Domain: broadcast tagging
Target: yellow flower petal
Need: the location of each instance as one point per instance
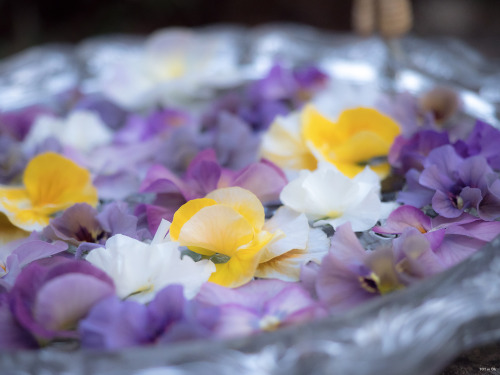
(369, 119)
(240, 269)
(185, 212)
(242, 201)
(217, 229)
(55, 183)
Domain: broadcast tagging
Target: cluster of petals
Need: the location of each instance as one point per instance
(359, 137)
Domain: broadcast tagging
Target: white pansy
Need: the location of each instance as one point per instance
(297, 245)
(140, 270)
(174, 64)
(83, 131)
(326, 196)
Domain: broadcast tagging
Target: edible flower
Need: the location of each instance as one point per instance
(360, 137)
(52, 183)
(228, 224)
(327, 196)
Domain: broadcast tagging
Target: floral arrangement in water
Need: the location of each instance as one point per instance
(126, 220)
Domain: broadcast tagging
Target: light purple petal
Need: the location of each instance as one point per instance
(404, 217)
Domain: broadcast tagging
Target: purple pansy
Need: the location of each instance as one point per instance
(451, 240)
(260, 305)
(454, 185)
(50, 296)
(12, 335)
(281, 91)
(203, 175)
(115, 324)
(410, 153)
(16, 255)
(83, 224)
(483, 140)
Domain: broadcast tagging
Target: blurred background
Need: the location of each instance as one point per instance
(24, 23)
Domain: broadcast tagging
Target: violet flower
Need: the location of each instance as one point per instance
(18, 254)
(280, 92)
(410, 153)
(349, 275)
(483, 140)
(203, 175)
(50, 296)
(17, 124)
(455, 185)
(12, 335)
(260, 305)
(83, 224)
(115, 324)
(451, 240)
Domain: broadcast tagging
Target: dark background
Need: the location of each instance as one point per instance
(27, 22)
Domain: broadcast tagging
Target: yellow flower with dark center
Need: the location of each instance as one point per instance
(228, 222)
(52, 183)
(360, 137)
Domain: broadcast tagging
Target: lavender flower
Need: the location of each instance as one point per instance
(459, 185)
(51, 296)
(261, 305)
(203, 175)
(115, 324)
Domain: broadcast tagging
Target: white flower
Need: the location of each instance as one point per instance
(83, 131)
(298, 244)
(174, 64)
(327, 196)
(140, 270)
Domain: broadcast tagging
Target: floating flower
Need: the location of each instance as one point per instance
(52, 183)
(140, 270)
(204, 175)
(82, 130)
(173, 64)
(18, 254)
(228, 223)
(261, 305)
(451, 240)
(115, 324)
(349, 275)
(360, 137)
(454, 185)
(83, 224)
(50, 296)
(327, 196)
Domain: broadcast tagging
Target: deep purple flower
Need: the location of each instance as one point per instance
(203, 175)
(114, 324)
(410, 153)
(50, 296)
(83, 223)
(483, 140)
(455, 185)
(260, 305)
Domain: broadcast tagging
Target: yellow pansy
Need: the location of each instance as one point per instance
(360, 137)
(227, 222)
(52, 183)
